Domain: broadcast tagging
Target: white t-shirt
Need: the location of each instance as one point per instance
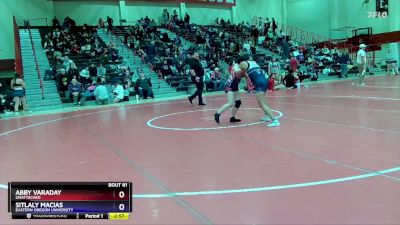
(119, 90)
(360, 56)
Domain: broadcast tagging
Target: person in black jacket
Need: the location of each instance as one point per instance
(197, 74)
(143, 86)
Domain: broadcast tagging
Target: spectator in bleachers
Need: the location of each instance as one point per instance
(67, 64)
(326, 51)
(85, 43)
(216, 80)
(89, 92)
(294, 64)
(55, 22)
(343, 61)
(113, 52)
(92, 70)
(56, 33)
(47, 43)
(274, 26)
(62, 82)
(84, 75)
(98, 47)
(187, 18)
(110, 24)
(101, 23)
(335, 54)
(75, 90)
(274, 68)
(73, 71)
(101, 93)
(166, 70)
(285, 49)
(101, 70)
(118, 92)
(75, 50)
(151, 52)
(175, 15)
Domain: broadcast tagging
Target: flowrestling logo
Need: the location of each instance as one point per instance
(377, 15)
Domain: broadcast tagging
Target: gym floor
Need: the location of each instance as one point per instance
(335, 159)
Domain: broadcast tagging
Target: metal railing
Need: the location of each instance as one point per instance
(36, 62)
(38, 19)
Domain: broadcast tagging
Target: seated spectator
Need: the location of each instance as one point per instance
(216, 80)
(335, 54)
(62, 82)
(73, 71)
(47, 43)
(113, 52)
(56, 33)
(166, 70)
(151, 52)
(89, 92)
(290, 80)
(98, 47)
(84, 75)
(67, 63)
(101, 71)
(92, 70)
(246, 47)
(118, 92)
(326, 51)
(143, 86)
(75, 50)
(75, 92)
(101, 93)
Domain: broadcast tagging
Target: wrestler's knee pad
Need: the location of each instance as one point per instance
(238, 103)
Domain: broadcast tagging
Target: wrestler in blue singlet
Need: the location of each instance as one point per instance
(257, 76)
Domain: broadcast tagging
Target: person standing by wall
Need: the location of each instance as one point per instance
(390, 62)
(18, 85)
(143, 86)
(110, 24)
(343, 61)
(362, 64)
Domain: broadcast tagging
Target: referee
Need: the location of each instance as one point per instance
(197, 73)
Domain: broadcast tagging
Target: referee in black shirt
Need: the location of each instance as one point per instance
(197, 73)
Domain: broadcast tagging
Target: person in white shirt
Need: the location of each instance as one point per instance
(118, 92)
(390, 62)
(246, 47)
(274, 68)
(362, 64)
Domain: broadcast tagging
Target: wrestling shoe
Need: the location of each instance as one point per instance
(274, 123)
(234, 120)
(216, 117)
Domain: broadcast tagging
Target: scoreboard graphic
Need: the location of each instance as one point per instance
(70, 200)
